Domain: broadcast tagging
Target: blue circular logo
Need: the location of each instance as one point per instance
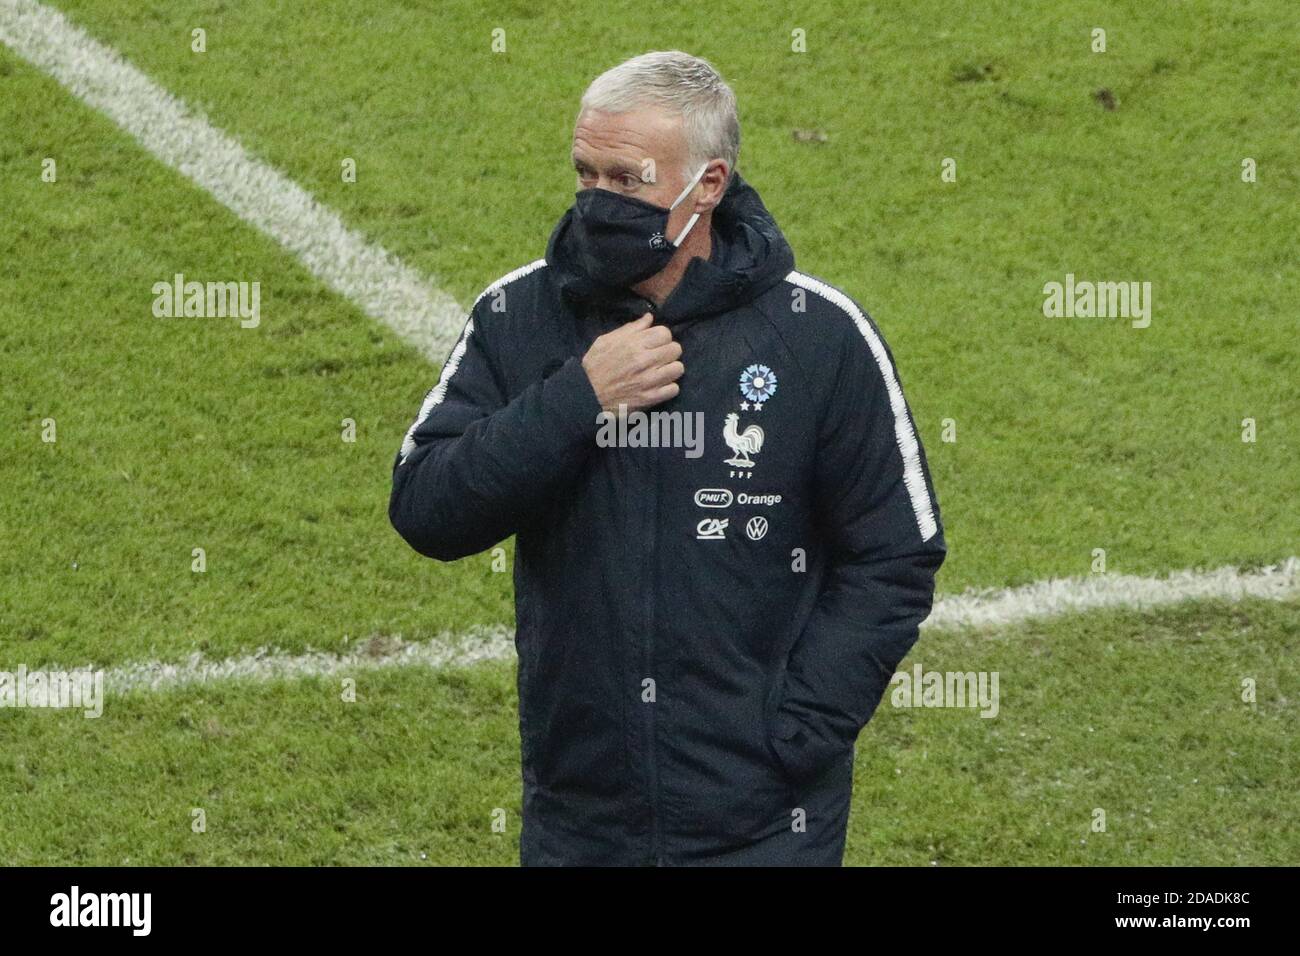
(758, 383)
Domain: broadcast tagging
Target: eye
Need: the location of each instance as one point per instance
(629, 181)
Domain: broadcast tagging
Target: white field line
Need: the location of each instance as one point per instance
(985, 610)
(386, 289)
(992, 609)
(444, 651)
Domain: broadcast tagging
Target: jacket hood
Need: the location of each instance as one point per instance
(750, 255)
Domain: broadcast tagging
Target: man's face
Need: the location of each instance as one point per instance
(640, 154)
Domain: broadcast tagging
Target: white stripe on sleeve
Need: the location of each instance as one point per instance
(904, 434)
(439, 391)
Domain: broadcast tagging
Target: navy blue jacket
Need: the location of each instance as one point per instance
(700, 639)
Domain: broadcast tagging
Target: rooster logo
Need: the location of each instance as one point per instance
(742, 444)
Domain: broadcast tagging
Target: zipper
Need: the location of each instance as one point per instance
(652, 744)
(656, 840)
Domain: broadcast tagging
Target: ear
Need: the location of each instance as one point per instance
(713, 185)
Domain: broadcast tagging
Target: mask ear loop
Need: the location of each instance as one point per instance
(689, 223)
(686, 192)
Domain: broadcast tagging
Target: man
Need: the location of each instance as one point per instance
(700, 638)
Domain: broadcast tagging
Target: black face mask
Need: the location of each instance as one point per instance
(620, 239)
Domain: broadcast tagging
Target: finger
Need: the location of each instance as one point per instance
(665, 373)
(661, 394)
(653, 358)
(655, 336)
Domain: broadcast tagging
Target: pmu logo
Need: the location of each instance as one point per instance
(713, 497)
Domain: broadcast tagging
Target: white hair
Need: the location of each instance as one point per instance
(681, 84)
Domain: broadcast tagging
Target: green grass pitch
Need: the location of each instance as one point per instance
(1072, 434)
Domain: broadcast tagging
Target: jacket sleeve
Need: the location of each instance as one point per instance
(879, 521)
(474, 466)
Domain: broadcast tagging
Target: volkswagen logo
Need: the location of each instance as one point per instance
(756, 527)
